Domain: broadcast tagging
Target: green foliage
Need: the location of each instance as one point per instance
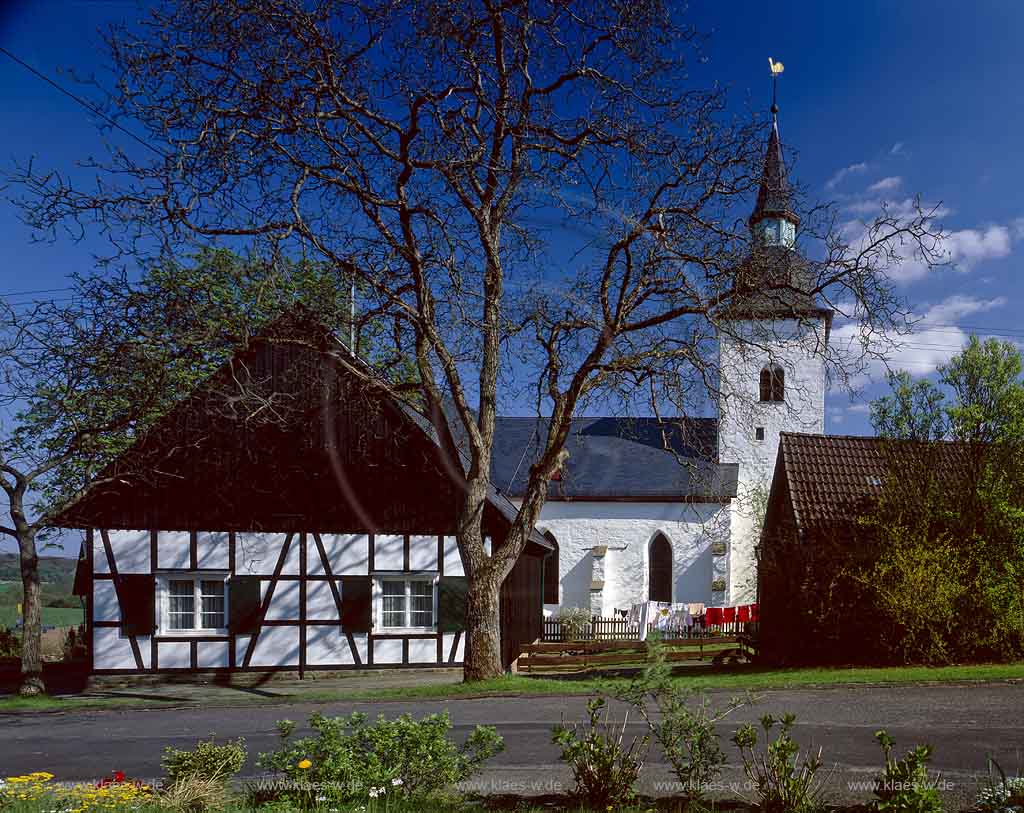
(783, 782)
(942, 542)
(573, 621)
(350, 759)
(207, 762)
(10, 643)
(604, 768)
(912, 411)
(681, 720)
(903, 786)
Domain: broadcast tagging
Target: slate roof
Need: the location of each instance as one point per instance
(774, 195)
(833, 478)
(774, 281)
(618, 458)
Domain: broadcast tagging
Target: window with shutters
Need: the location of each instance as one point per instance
(407, 604)
(193, 603)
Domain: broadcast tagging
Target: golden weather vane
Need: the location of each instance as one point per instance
(776, 68)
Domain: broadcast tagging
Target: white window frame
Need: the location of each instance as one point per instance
(196, 577)
(407, 579)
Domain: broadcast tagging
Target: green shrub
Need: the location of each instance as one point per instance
(573, 621)
(350, 759)
(10, 643)
(680, 720)
(903, 786)
(207, 763)
(782, 785)
(604, 768)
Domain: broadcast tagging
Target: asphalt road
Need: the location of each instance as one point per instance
(964, 723)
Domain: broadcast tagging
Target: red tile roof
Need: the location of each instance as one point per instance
(832, 478)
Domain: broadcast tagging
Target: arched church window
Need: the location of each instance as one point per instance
(660, 564)
(773, 383)
(551, 571)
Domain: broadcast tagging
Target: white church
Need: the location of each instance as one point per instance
(670, 510)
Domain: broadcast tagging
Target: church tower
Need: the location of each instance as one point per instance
(772, 339)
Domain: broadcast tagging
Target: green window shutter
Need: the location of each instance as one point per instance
(451, 603)
(356, 601)
(244, 601)
(137, 594)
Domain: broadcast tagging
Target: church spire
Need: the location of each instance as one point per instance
(774, 203)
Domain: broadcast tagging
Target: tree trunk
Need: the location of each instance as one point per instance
(483, 629)
(31, 630)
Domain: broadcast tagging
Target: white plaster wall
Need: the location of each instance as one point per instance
(449, 638)
(212, 654)
(174, 654)
(320, 604)
(328, 646)
(387, 650)
(212, 550)
(130, 549)
(423, 554)
(104, 601)
(284, 606)
(257, 554)
(347, 554)
(111, 651)
(627, 529)
(423, 650)
(388, 552)
(172, 549)
(452, 557)
(277, 646)
(796, 347)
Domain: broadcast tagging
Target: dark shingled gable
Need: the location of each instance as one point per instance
(832, 478)
(619, 458)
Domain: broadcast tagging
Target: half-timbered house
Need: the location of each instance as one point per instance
(288, 515)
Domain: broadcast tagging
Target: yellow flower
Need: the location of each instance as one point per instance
(305, 764)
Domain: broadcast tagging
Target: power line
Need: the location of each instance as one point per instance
(92, 108)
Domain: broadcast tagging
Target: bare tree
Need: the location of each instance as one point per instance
(532, 193)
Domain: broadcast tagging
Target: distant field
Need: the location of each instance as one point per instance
(55, 616)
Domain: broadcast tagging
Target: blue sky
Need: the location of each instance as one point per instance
(881, 100)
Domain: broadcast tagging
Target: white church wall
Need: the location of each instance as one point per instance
(627, 529)
(796, 347)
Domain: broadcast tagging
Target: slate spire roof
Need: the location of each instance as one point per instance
(774, 195)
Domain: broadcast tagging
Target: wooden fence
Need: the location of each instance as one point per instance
(554, 657)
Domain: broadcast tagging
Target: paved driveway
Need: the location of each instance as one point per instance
(965, 723)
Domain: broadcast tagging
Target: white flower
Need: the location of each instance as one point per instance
(397, 781)
(373, 793)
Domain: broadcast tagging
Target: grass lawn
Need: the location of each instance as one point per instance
(52, 616)
(737, 678)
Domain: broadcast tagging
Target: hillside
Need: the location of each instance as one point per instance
(52, 569)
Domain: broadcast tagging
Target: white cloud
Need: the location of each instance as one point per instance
(840, 175)
(962, 249)
(935, 339)
(886, 184)
(897, 149)
(968, 247)
(859, 409)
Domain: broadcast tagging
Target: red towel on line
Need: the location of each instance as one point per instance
(730, 614)
(714, 616)
(743, 615)
(753, 612)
